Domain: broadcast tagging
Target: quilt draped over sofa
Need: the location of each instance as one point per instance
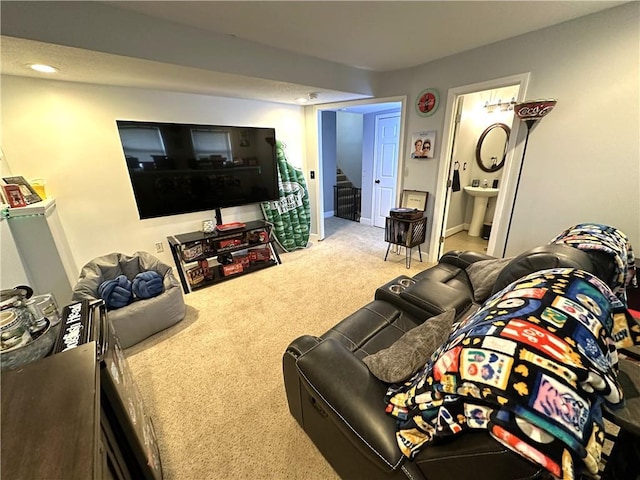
(596, 237)
(533, 366)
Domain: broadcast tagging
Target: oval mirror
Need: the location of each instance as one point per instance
(492, 147)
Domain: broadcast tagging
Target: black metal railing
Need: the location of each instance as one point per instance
(346, 202)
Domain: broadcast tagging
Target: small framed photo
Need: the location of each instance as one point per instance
(423, 144)
(14, 196)
(28, 193)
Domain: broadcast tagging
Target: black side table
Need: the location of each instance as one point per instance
(405, 233)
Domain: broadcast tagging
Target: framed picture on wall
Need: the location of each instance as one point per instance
(424, 144)
(13, 195)
(28, 193)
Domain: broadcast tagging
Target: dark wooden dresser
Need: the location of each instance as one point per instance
(77, 414)
(51, 419)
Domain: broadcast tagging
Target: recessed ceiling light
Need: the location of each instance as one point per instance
(39, 67)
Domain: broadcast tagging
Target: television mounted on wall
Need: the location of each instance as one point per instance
(178, 168)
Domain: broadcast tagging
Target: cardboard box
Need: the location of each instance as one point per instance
(232, 242)
(194, 250)
(242, 259)
(232, 268)
(206, 270)
(260, 254)
(195, 275)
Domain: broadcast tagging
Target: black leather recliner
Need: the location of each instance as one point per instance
(340, 404)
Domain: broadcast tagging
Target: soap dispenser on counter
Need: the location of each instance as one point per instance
(485, 184)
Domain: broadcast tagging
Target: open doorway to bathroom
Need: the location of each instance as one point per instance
(479, 123)
(479, 149)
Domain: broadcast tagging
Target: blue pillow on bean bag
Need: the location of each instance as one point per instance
(147, 284)
(116, 293)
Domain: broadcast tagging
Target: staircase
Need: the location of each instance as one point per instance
(346, 198)
(342, 180)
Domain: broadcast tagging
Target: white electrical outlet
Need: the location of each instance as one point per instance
(159, 247)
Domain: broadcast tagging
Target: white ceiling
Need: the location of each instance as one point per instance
(373, 35)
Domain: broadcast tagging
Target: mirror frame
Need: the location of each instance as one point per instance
(498, 166)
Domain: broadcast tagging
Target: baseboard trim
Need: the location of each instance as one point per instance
(456, 229)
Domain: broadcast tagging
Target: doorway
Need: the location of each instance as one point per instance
(477, 114)
(470, 111)
(377, 117)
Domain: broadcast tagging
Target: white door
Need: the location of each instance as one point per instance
(385, 166)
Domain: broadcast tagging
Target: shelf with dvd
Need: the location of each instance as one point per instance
(203, 259)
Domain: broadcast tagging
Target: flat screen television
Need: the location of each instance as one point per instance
(182, 168)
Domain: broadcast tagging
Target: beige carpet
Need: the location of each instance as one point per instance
(213, 383)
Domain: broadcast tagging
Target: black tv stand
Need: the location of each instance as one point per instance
(203, 259)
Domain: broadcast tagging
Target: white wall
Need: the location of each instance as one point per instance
(328, 157)
(66, 133)
(14, 271)
(583, 160)
(349, 133)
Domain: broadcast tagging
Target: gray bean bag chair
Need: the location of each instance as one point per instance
(142, 317)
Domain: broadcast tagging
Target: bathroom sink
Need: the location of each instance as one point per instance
(481, 191)
(481, 198)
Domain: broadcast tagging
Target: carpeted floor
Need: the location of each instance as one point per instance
(213, 383)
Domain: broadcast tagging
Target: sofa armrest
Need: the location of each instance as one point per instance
(290, 373)
(436, 297)
(343, 387)
(463, 259)
(301, 345)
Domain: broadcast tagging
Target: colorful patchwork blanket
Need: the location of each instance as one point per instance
(533, 366)
(610, 240)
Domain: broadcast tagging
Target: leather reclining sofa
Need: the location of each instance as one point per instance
(340, 405)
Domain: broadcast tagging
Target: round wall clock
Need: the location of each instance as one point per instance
(427, 102)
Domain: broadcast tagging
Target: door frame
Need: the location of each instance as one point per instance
(313, 123)
(504, 200)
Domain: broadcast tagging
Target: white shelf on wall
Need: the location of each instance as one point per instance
(14, 272)
(39, 208)
(43, 249)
